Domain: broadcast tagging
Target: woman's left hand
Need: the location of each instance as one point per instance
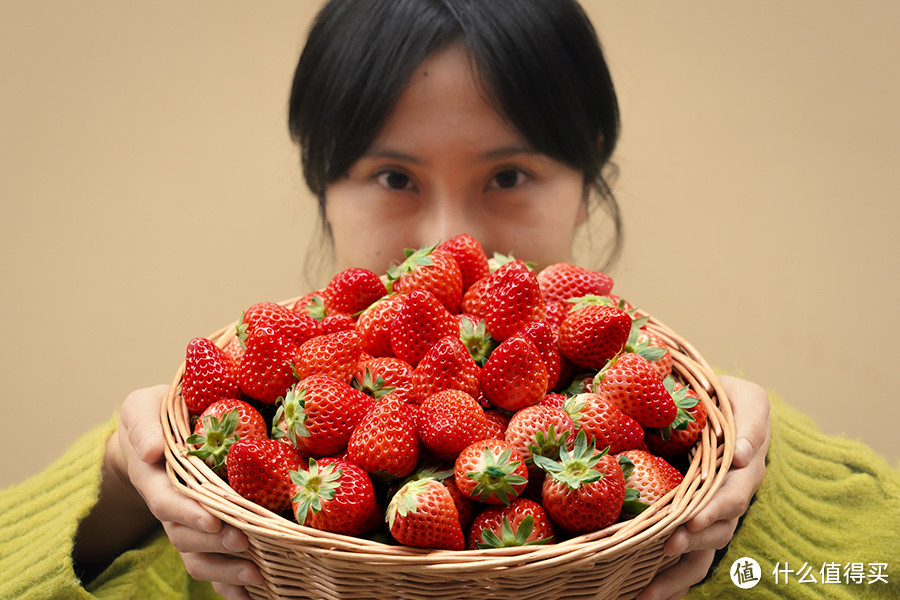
(713, 527)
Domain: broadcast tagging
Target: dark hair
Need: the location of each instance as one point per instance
(540, 62)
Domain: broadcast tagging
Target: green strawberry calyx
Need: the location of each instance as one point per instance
(498, 477)
(684, 402)
(575, 467)
(217, 437)
(413, 259)
(313, 486)
(373, 385)
(508, 538)
(477, 340)
(292, 414)
(405, 501)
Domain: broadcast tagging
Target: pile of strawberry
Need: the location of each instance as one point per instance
(454, 402)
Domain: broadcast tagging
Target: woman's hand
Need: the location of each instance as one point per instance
(713, 527)
(135, 477)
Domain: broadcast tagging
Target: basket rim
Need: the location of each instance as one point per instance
(707, 468)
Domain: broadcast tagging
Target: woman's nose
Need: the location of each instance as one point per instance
(448, 215)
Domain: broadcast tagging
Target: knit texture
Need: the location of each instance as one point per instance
(825, 501)
(38, 522)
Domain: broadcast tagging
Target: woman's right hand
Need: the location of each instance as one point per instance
(206, 544)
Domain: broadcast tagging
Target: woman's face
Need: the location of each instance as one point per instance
(446, 163)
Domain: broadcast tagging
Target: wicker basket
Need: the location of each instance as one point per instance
(614, 563)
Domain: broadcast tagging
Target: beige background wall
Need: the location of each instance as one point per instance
(150, 192)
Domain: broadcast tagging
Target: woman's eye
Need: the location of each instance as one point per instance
(394, 180)
(506, 179)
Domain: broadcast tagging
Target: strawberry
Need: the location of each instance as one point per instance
(385, 441)
(651, 346)
(491, 471)
(561, 281)
(515, 300)
(556, 312)
(209, 375)
(234, 349)
(523, 523)
(652, 477)
(222, 423)
(477, 296)
(540, 430)
(338, 322)
(351, 291)
(449, 421)
(374, 325)
(446, 366)
(689, 423)
(420, 323)
(432, 270)
(633, 386)
(311, 304)
(267, 367)
(515, 375)
(319, 413)
(336, 354)
(295, 326)
(604, 424)
(334, 495)
(259, 471)
(469, 255)
(422, 514)
(584, 491)
(592, 333)
(540, 334)
(381, 375)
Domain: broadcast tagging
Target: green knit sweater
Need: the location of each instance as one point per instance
(824, 524)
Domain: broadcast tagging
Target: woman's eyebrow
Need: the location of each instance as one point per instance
(380, 152)
(508, 151)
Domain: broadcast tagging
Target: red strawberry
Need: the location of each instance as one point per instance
(374, 325)
(491, 471)
(540, 430)
(267, 367)
(523, 523)
(432, 270)
(422, 514)
(591, 334)
(469, 255)
(385, 441)
(209, 375)
(234, 349)
(319, 413)
(652, 347)
(604, 424)
(540, 334)
(222, 423)
(689, 424)
(477, 296)
(449, 421)
(334, 495)
(421, 323)
(335, 354)
(561, 281)
(556, 313)
(381, 375)
(446, 366)
(515, 300)
(652, 477)
(515, 375)
(632, 385)
(259, 471)
(585, 490)
(295, 326)
(352, 290)
(311, 304)
(338, 322)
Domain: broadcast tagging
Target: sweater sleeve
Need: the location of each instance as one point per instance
(825, 523)
(39, 519)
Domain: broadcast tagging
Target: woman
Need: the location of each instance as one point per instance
(416, 120)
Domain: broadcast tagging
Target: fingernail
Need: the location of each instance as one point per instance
(234, 541)
(743, 451)
(250, 576)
